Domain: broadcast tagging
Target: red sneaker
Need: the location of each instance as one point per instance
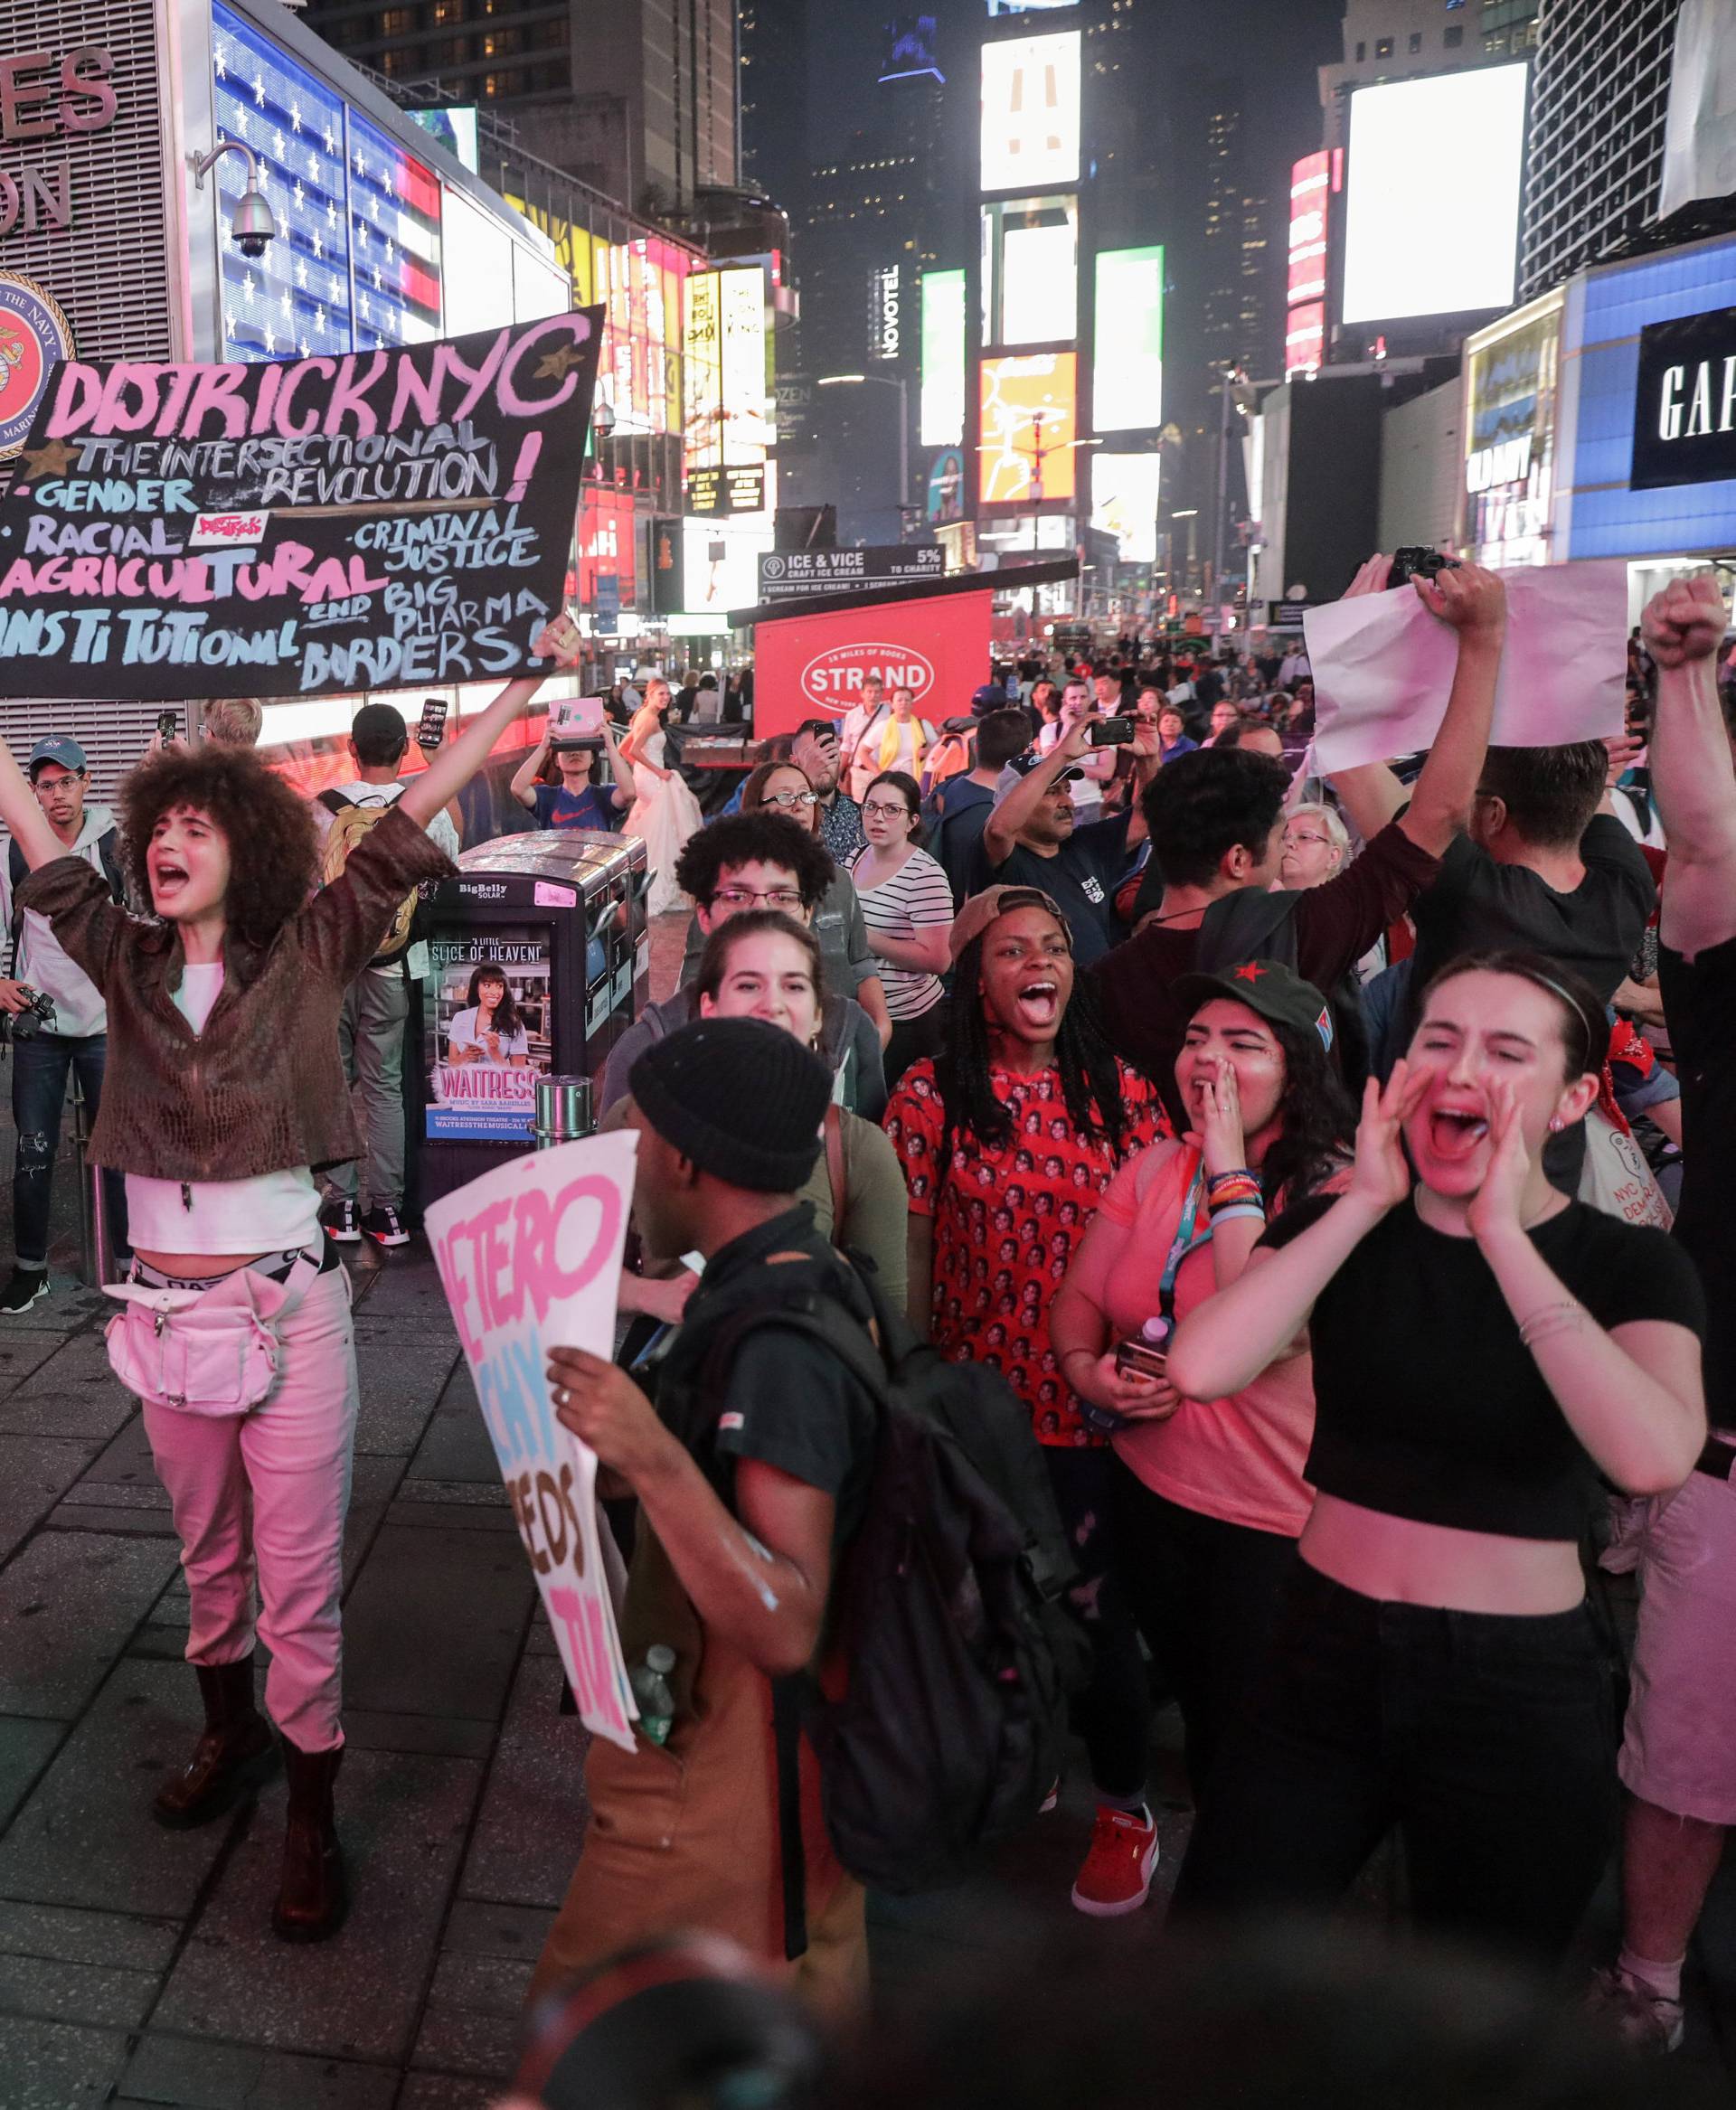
(1117, 1870)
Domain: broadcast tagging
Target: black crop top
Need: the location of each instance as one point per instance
(1428, 1405)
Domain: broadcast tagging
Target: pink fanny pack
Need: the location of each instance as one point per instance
(212, 1352)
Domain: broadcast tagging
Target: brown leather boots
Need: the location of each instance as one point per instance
(235, 1754)
(312, 1901)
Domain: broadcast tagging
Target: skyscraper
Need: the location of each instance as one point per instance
(1600, 96)
(637, 97)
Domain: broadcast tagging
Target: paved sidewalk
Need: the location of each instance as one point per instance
(135, 1964)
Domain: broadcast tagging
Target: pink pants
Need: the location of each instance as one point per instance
(268, 1490)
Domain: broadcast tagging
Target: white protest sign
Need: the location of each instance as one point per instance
(530, 1258)
(1383, 665)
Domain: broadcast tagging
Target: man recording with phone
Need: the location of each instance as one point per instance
(53, 1018)
(376, 1007)
(1034, 839)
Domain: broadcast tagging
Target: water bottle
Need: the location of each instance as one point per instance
(656, 1702)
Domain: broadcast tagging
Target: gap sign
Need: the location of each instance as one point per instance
(1684, 403)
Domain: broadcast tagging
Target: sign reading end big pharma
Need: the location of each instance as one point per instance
(305, 526)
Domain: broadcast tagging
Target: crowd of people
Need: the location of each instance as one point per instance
(1329, 1167)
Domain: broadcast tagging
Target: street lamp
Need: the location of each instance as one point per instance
(885, 381)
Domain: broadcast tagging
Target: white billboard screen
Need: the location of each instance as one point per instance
(1039, 294)
(719, 563)
(1124, 502)
(1401, 259)
(942, 421)
(1031, 112)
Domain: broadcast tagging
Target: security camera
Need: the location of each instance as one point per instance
(252, 223)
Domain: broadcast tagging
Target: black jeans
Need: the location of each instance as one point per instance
(1113, 1714)
(912, 1039)
(1206, 1596)
(1487, 1739)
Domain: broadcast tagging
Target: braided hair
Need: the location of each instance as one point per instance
(1091, 1078)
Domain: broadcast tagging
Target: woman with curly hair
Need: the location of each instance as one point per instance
(1208, 1494)
(224, 1092)
(1007, 1141)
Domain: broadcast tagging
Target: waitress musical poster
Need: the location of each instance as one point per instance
(487, 1034)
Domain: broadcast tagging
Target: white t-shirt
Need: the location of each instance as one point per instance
(462, 1034)
(440, 832)
(272, 1212)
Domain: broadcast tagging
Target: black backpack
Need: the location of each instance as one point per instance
(949, 1606)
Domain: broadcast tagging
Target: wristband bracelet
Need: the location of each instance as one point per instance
(1252, 1211)
(1551, 1319)
(1244, 1190)
(1216, 1180)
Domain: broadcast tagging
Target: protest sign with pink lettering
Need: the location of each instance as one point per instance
(299, 527)
(530, 1258)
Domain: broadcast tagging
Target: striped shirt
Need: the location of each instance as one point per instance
(917, 897)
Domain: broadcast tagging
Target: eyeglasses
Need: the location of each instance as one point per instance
(884, 810)
(789, 798)
(1290, 840)
(788, 899)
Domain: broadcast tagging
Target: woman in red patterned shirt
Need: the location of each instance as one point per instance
(1008, 1141)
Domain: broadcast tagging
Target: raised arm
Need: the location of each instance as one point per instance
(452, 768)
(623, 793)
(1022, 802)
(1692, 777)
(23, 817)
(1474, 602)
(524, 785)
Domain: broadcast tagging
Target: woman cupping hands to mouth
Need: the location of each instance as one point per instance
(1484, 1347)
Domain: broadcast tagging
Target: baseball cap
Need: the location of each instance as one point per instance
(991, 696)
(1274, 992)
(382, 723)
(982, 909)
(58, 747)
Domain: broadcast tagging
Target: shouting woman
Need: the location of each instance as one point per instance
(1484, 1348)
(224, 1090)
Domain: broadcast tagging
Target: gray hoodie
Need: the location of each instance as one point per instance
(79, 1012)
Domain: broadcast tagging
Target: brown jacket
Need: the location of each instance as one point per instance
(262, 1089)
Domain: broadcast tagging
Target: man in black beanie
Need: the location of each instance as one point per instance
(751, 1470)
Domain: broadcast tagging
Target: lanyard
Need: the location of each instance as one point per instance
(1182, 1245)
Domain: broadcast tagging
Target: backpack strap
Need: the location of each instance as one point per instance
(335, 802)
(834, 1127)
(18, 870)
(1249, 924)
(108, 851)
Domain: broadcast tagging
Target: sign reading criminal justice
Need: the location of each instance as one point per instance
(302, 527)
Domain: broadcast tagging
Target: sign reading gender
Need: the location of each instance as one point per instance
(382, 520)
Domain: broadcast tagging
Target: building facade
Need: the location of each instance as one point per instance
(637, 97)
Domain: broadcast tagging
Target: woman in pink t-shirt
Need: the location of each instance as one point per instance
(1208, 1497)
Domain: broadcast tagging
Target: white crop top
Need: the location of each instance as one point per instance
(273, 1212)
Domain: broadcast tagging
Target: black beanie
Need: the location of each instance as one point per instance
(743, 1099)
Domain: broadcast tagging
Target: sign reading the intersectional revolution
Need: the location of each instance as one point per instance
(382, 520)
(530, 1258)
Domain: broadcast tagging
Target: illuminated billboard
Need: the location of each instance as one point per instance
(1305, 337)
(942, 395)
(703, 368)
(1124, 502)
(1128, 371)
(1029, 425)
(1030, 277)
(741, 365)
(1402, 136)
(720, 564)
(1310, 185)
(1030, 133)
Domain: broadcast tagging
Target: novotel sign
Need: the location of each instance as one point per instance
(1684, 402)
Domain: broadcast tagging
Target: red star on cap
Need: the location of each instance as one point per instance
(1251, 973)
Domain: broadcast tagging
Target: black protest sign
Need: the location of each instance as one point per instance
(382, 520)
